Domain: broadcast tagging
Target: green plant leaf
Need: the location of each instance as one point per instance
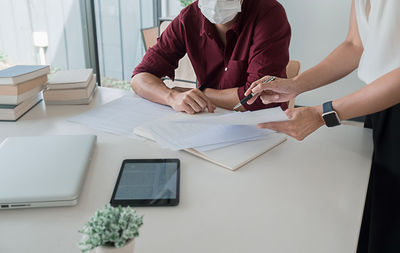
(110, 226)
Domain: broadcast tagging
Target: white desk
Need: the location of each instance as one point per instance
(300, 197)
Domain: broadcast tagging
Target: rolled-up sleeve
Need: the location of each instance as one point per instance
(269, 53)
(162, 59)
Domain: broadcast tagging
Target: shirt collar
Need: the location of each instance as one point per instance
(207, 28)
(237, 25)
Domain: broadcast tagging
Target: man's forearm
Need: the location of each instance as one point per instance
(151, 87)
(226, 98)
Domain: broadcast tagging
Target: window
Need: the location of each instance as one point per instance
(42, 32)
(119, 40)
(62, 35)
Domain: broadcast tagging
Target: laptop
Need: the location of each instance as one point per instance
(43, 171)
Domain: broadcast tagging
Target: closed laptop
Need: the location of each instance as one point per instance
(40, 171)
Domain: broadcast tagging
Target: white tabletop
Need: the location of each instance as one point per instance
(299, 197)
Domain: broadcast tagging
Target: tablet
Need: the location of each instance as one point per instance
(147, 182)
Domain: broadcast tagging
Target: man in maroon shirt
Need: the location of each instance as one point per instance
(252, 42)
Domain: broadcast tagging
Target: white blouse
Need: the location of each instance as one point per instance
(379, 27)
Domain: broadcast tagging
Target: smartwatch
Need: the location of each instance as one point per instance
(329, 115)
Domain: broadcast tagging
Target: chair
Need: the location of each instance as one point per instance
(292, 70)
(149, 36)
(184, 74)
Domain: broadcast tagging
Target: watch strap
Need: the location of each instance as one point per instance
(329, 115)
(327, 107)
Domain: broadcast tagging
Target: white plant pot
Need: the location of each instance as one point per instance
(127, 248)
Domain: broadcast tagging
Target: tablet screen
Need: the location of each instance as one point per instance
(147, 182)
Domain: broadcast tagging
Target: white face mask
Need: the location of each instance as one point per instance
(219, 11)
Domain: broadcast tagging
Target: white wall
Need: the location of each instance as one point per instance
(317, 28)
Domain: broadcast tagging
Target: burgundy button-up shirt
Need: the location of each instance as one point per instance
(257, 45)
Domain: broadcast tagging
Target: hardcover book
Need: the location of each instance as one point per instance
(21, 73)
(70, 79)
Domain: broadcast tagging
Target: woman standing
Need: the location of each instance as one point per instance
(372, 46)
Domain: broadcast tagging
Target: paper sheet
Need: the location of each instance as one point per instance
(176, 136)
(230, 143)
(237, 118)
(122, 115)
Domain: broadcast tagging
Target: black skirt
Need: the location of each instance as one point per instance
(380, 228)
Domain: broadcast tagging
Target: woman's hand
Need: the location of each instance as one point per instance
(191, 101)
(302, 122)
(277, 91)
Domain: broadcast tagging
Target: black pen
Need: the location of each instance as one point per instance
(248, 97)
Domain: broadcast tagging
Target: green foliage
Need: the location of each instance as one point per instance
(113, 83)
(112, 226)
(185, 3)
(3, 56)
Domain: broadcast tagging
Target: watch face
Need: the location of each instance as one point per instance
(331, 119)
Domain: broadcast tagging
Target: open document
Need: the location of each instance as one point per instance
(122, 115)
(177, 136)
(229, 139)
(250, 118)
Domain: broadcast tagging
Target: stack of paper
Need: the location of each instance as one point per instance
(207, 131)
(122, 115)
(229, 139)
(250, 118)
(177, 136)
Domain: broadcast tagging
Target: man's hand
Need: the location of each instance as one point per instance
(277, 91)
(302, 122)
(191, 101)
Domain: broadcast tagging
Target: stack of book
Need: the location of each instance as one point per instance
(70, 87)
(20, 89)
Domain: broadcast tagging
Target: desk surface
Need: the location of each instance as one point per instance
(299, 197)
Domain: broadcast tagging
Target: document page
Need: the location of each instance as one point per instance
(177, 131)
(122, 115)
(238, 118)
(177, 136)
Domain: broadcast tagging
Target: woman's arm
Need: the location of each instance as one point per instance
(377, 96)
(342, 61)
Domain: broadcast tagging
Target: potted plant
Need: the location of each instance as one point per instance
(112, 229)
